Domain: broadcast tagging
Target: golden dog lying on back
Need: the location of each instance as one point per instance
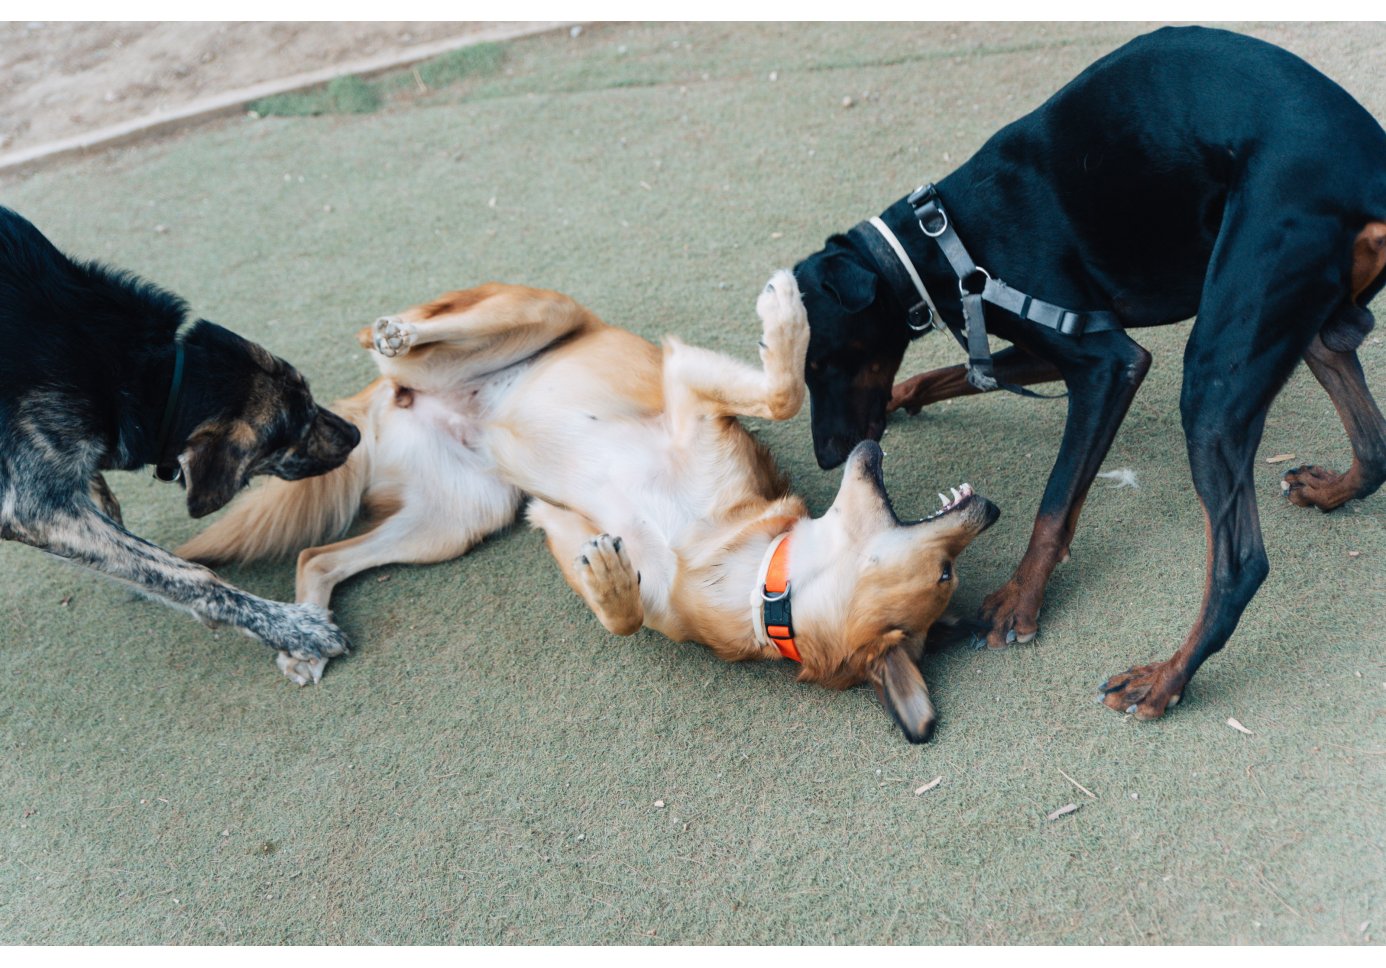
(661, 509)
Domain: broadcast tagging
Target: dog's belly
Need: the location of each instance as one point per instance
(438, 440)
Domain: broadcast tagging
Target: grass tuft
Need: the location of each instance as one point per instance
(342, 95)
(480, 60)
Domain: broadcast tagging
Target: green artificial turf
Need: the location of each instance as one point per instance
(490, 765)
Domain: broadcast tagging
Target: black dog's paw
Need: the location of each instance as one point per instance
(306, 631)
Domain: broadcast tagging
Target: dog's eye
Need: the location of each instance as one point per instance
(947, 574)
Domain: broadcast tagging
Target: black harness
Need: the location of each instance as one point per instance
(975, 285)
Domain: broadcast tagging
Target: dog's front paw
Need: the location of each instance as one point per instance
(611, 584)
(306, 632)
(301, 672)
(1145, 691)
(392, 336)
(782, 313)
(1010, 614)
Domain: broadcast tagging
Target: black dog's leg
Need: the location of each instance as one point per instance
(1011, 365)
(1103, 371)
(1341, 375)
(1245, 343)
(82, 535)
(105, 500)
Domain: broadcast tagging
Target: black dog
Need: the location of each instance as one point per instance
(95, 376)
(1191, 172)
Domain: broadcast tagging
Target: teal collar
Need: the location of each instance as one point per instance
(167, 472)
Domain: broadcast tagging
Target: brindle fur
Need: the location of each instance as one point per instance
(83, 387)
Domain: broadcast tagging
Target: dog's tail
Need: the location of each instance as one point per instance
(279, 518)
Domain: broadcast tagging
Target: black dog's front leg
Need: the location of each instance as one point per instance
(82, 535)
(1011, 365)
(1103, 371)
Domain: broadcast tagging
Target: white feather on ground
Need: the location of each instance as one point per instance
(1121, 477)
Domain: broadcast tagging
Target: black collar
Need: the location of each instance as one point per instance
(162, 471)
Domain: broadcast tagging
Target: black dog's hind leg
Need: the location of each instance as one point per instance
(1340, 373)
(1011, 365)
(1245, 343)
(1103, 371)
(81, 535)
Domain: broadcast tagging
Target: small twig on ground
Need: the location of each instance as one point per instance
(928, 786)
(1254, 780)
(1078, 785)
(1066, 808)
(1238, 726)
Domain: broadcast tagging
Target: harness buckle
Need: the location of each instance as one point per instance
(777, 612)
(1071, 323)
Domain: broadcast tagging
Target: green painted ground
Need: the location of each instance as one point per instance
(487, 766)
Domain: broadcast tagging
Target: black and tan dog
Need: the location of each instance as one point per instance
(96, 376)
(1191, 172)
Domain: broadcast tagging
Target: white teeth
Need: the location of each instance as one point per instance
(942, 500)
(956, 496)
(967, 490)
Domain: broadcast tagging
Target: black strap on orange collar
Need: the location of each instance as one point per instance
(774, 609)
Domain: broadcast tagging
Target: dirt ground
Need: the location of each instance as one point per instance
(64, 79)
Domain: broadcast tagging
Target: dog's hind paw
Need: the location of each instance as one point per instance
(1317, 487)
(392, 336)
(301, 672)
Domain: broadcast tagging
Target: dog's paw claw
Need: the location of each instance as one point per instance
(392, 336)
(301, 672)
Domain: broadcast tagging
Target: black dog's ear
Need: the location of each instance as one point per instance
(848, 281)
(214, 465)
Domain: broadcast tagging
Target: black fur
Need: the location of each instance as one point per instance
(1191, 172)
(84, 382)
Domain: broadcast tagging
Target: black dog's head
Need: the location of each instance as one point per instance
(856, 343)
(254, 415)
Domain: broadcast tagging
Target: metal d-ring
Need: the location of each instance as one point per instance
(776, 596)
(928, 323)
(942, 228)
(962, 288)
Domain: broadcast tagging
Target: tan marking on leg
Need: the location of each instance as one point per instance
(1368, 256)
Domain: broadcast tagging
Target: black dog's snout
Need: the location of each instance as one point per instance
(341, 435)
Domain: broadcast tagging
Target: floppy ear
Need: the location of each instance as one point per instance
(903, 693)
(848, 281)
(213, 468)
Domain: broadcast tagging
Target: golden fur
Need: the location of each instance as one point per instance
(656, 503)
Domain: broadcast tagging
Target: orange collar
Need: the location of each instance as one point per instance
(773, 613)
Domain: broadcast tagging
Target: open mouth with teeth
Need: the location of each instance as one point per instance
(962, 497)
